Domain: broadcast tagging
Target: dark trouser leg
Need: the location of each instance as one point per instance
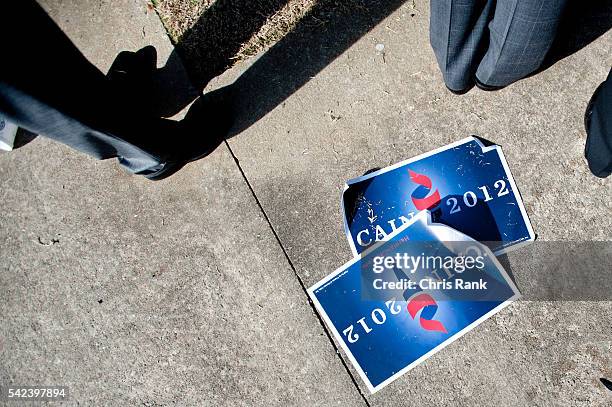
(48, 87)
(458, 34)
(520, 35)
(598, 149)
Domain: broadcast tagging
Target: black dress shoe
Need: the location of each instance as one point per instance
(596, 150)
(461, 91)
(131, 76)
(192, 148)
(589, 112)
(485, 87)
(203, 129)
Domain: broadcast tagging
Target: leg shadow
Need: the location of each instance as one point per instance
(204, 51)
(320, 37)
(328, 30)
(209, 46)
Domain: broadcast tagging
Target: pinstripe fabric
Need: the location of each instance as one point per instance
(457, 35)
(51, 89)
(498, 41)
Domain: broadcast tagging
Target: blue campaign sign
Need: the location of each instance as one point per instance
(465, 185)
(406, 298)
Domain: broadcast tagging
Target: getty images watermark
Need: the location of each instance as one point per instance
(409, 265)
(404, 268)
(541, 271)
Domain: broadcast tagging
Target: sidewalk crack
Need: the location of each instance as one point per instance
(301, 282)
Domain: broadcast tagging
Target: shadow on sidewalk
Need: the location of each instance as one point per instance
(211, 44)
(326, 31)
(320, 37)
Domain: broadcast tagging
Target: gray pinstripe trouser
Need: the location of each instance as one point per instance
(498, 41)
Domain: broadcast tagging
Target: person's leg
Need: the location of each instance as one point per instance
(598, 123)
(457, 32)
(520, 35)
(50, 88)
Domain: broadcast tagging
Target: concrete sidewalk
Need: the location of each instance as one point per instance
(138, 293)
(178, 292)
(367, 110)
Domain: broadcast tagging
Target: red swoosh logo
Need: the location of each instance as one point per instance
(429, 201)
(418, 303)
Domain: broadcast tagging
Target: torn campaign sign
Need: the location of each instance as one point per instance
(404, 299)
(465, 185)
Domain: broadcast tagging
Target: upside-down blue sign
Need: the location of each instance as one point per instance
(406, 298)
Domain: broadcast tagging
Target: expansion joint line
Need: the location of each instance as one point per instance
(321, 322)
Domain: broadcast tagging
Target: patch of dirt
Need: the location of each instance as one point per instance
(212, 35)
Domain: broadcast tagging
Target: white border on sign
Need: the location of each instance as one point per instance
(515, 191)
(421, 216)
